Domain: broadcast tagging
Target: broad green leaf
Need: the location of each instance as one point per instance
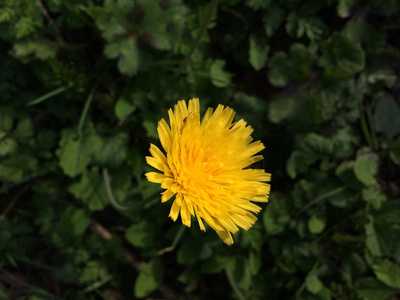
(219, 77)
(387, 116)
(94, 270)
(6, 121)
(128, 62)
(281, 109)
(151, 128)
(124, 108)
(24, 131)
(91, 190)
(255, 262)
(75, 152)
(371, 240)
(372, 195)
(7, 144)
(315, 145)
(365, 168)
(252, 238)
(316, 224)
(71, 225)
(258, 4)
(274, 17)
(344, 7)
(344, 54)
(215, 264)
(150, 276)
(240, 270)
(360, 31)
(352, 267)
(369, 288)
(388, 272)
(258, 52)
(313, 284)
(141, 235)
(114, 151)
(284, 69)
(280, 72)
(276, 215)
(13, 168)
(389, 212)
(42, 50)
(189, 252)
(395, 156)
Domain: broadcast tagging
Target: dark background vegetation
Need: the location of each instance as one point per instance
(83, 84)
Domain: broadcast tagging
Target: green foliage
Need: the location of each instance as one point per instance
(83, 84)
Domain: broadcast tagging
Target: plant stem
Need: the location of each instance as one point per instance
(200, 33)
(47, 96)
(364, 126)
(85, 111)
(174, 243)
(114, 202)
(233, 285)
(320, 198)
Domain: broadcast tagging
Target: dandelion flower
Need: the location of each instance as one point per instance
(206, 168)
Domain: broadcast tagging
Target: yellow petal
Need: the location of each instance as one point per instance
(174, 212)
(167, 195)
(155, 177)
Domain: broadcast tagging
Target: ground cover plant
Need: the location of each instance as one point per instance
(83, 84)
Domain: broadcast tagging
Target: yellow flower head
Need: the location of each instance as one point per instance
(205, 166)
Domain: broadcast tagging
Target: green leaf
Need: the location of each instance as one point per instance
(150, 276)
(273, 19)
(252, 238)
(365, 167)
(255, 262)
(316, 224)
(219, 77)
(313, 284)
(141, 235)
(14, 168)
(240, 270)
(371, 240)
(395, 156)
(124, 108)
(75, 152)
(370, 288)
(189, 252)
(284, 69)
(24, 131)
(25, 26)
(6, 121)
(387, 116)
(280, 73)
(94, 270)
(345, 6)
(42, 50)
(388, 272)
(276, 215)
(215, 264)
(344, 54)
(389, 212)
(258, 52)
(114, 150)
(352, 267)
(258, 4)
(281, 109)
(91, 190)
(315, 145)
(127, 53)
(7, 144)
(71, 225)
